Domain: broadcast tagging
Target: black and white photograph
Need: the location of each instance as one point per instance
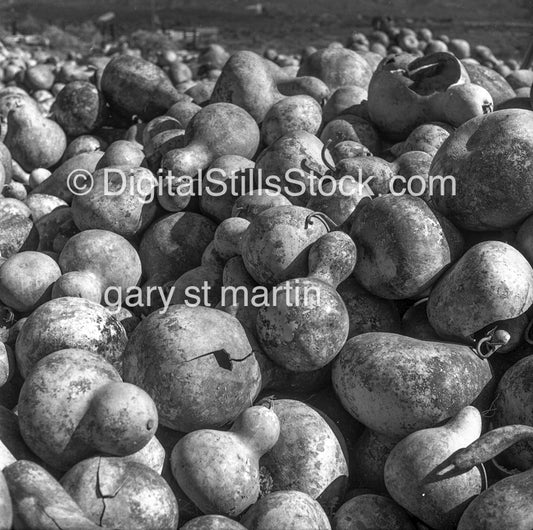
(266, 265)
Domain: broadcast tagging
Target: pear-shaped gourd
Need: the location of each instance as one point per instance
(219, 471)
(396, 385)
(402, 246)
(491, 282)
(34, 141)
(136, 87)
(507, 503)
(489, 159)
(74, 404)
(305, 323)
(417, 475)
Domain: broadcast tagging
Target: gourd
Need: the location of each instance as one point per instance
(74, 404)
(479, 278)
(117, 493)
(305, 323)
(488, 157)
(396, 385)
(406, 91)
(175, 356)
(204, 142)
(39, 501)
(26, 280)
(418, 474)
(69, 323)
(219, 470)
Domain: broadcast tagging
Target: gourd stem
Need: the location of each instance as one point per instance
(490, 445)
(421, 301)
(322, 217)
(323, 154)
(492, 342)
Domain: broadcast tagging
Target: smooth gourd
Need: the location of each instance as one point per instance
(418, 477)
(74, 404)
(218, 470)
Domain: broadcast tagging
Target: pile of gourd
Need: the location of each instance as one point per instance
(397, 395)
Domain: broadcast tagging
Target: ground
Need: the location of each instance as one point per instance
(289, 25)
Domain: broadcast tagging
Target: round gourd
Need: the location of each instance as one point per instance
(175, 356)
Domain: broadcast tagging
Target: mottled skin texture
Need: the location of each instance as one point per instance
(514, 405)
(39, 501)
(121, 153)
(53, 401)
(490, 158)
(246, 80)
(69, 323)
(396, 385)
(293, 113)
(339, 199)
(6, 507)
(57, 183)
(368, 457)
(372, 511)
(170, 357)
(174, 244)
(427, 137)
(120, 494)
(79, 108)
(57, 224)
(34, 141)
(292, 158)
(402, 247)
(219, 471)
(506, 504)
(26, 280)
(17, 233)
(276, 245)
(411, 471)
(108, 255)
(133, 86)
(85, 143)
(367, 312)
(308, 456)
(342, 100)
(292, 510)
(398, 104)
(371, 172)
(490, 80)
(337, 67)
(491, 282)
(304, 324)
(213, 202)
(350, 127)
(251, 204)
(124, 203)
(41, 204)
(212, 522)
(305, 85)
(183, 111)
(218, 129)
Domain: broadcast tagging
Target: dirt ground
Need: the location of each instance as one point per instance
(289, 25)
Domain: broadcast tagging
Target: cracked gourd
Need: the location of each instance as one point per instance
(120, 494)
(177, 355)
